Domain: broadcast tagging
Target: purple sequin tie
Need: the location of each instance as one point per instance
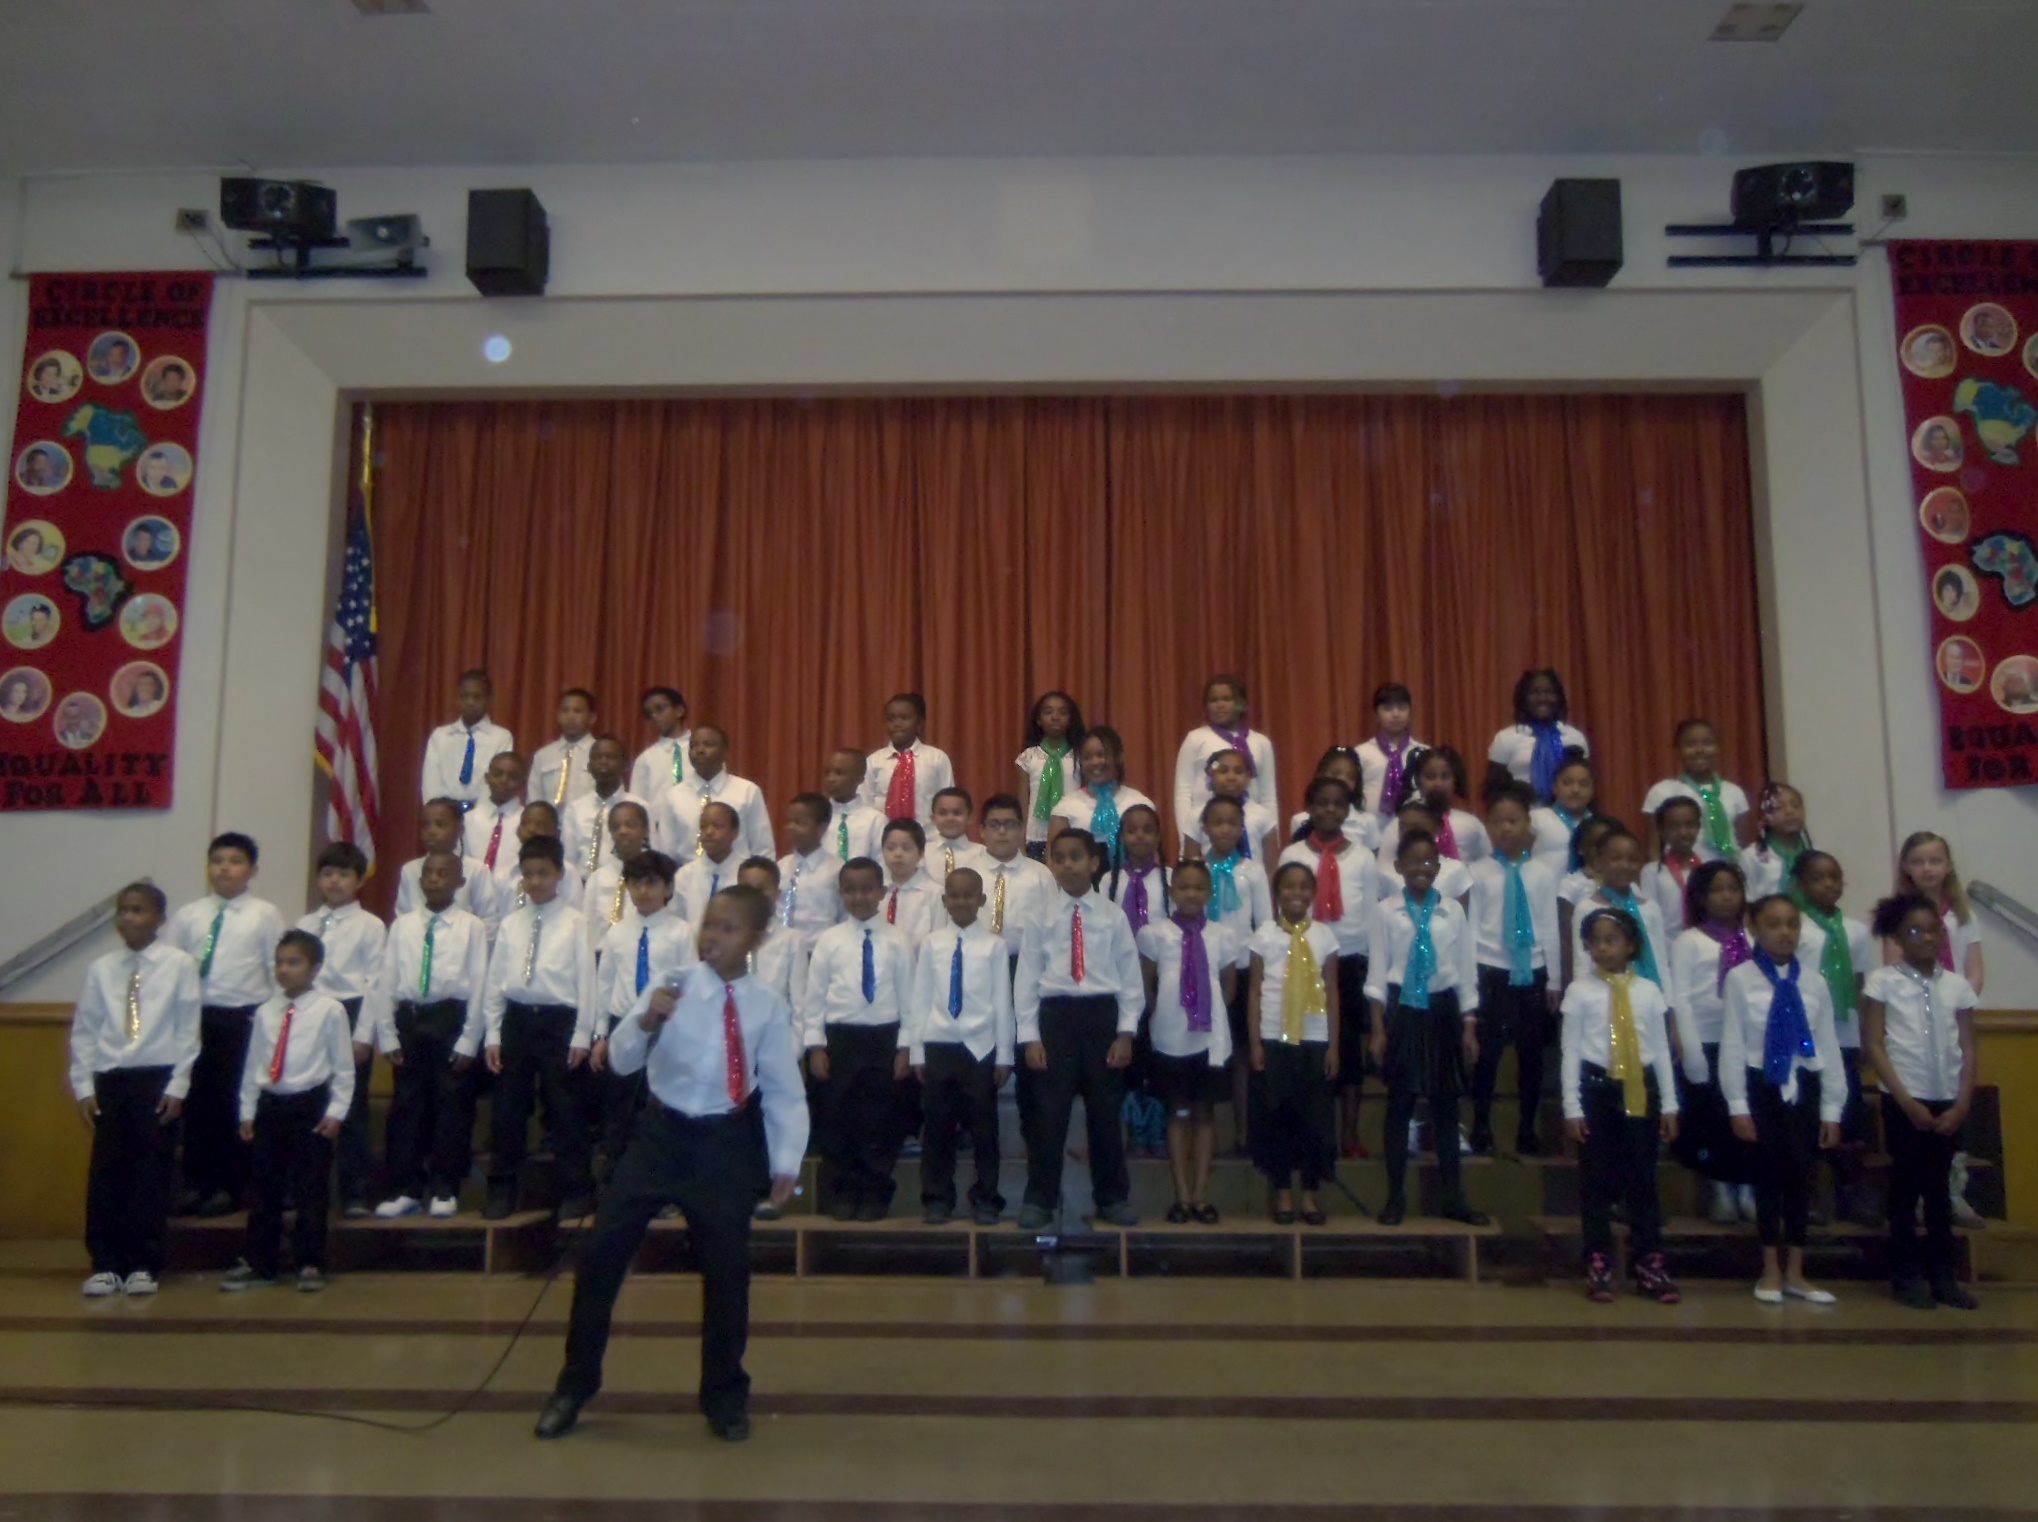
(1195, 972)
(1734, 949)
(1397, 774)
(1239, 739)
(1135, 906)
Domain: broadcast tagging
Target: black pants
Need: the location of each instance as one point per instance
(215, 1157)
(357, 1147)
(861, 1145)
(1077, 1034)
(1511, 1016)
(960, 1095)
(1706, 1143)
(613, 1101)
(428, 1118)
(290, 1156)
(134, 1166)
(1294, 1115)
(535, 1041)
(1618, 1164)
(715, 1171)
(1786, 1155)
(1919, 1162)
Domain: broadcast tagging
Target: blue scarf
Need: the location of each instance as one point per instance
(1518, 926)
(1790, 1029)
(1547, 759)
(1628, 904)
(1574, 861)
(1422, 951)
(1224, 900)
(1104, 819)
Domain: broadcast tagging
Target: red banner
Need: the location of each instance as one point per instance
(97, 539)
(1967, 347)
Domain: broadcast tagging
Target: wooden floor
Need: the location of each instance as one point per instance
(997, 1399)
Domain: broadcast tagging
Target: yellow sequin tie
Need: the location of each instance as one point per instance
(531, 951)
(616, 908)
(565, 771)
(1302, 991)
(134, 1004)
(998, 905)
(601, 822)
(1627, 1046)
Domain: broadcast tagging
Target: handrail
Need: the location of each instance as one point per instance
(2019, 914)
(59, 941)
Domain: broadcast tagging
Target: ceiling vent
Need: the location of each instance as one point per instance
(419, 8)
(1750, 23)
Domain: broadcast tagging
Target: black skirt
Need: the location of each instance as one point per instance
(1353, 1021)
(1425, 1047)
(1195, 1079)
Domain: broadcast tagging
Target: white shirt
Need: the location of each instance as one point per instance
(320, 1051)
(1746, 1029)
(584, 828)
(1731, 796)
(353, 940)
(1695, 994)
(913, 908)
(660, 764)
(1032, 764)
(446, 755)
(1255, 908)
(561, 973)
(1117, 887)
(1029, 892)
(856, 829)
(569, 757)
(1762, 869)
(1587, 1036)
(1474, 844)
(932, 771)
(676, 818)
(985, 1025)
(809, 894)
(169, 1017)
(1355, 881)
(1659, 886)
(1359, 826)
(1454, 879)
(700, 879)
(478, 832)
(1553, 838)
(780, 964)
(1259, 824)
(1110, 962)
(459, 971)
(1811, 947)
(1921, 1035)
(834, 993)
(1652, 926)
(1162, 943)
(1077, 809)
(669, 942)
(1449, 933)
(934, 865)
(1514, 747)
(1373, 772)
(1192, 781)
(243, 968)
(480, 894)
(1492, 946)
(688, 1068)
(1270, 944)
(605, 903)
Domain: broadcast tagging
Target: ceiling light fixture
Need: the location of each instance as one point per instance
(1748, 23)
(392, 7)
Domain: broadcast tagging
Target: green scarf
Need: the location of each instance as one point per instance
(1049, 792)
(1836, 964)
(1719, 829)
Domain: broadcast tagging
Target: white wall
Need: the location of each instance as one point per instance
(1089, 274)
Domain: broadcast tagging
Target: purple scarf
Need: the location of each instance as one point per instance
(1136, 908)
(1734, 949)
(1397, 773)
(1195, 971)
(1239, 740)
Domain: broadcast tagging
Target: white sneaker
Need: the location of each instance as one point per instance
(444, 1207)
(1414, 1136)
(396, 1209)
(1724, 1210)
(99, 1286)
(1746, 1200)
(1464, 1142)
(141, 1282)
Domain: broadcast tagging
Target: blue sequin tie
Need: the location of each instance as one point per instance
(955, 982)
(643, 959)
(869, 970)
(467, 761)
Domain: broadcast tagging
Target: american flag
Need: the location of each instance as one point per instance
(346, 699)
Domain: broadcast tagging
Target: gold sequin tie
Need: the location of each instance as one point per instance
(998, 905)
(601, 818)
(616, 908)
(134, 1004)
(565, 771)
(531, 951)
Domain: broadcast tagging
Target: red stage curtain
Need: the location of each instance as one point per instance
(789, 564)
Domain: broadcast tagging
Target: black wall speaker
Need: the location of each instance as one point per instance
(509, 243)
(1578, 233)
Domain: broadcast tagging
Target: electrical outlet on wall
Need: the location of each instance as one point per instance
(193, 219)
(1895, 208)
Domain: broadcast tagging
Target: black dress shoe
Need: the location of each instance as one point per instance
(1394, 1212)
(560, 1416)
(1528, 1144)
(217, 1204)
(502, 1204)
(1466, 1215)
(731, 1429)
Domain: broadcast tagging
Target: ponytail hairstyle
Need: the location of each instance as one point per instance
(1766, 804)
(1621, 920)
(1699, 885)
(1160, 858)
(1411, 786)
(1317, 784)
(1956, 891)
(1890, 913)
(1521, 712)
(1076, 733)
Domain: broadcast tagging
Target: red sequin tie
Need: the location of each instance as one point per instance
(902, 796)
(892, 908)
(732, 1041)
(1329, 907)
(282, 1045)
(494, 843)
(1076, 945)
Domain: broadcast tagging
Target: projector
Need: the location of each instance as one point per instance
(395, 235)
(1785, 195)
(290, 211)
